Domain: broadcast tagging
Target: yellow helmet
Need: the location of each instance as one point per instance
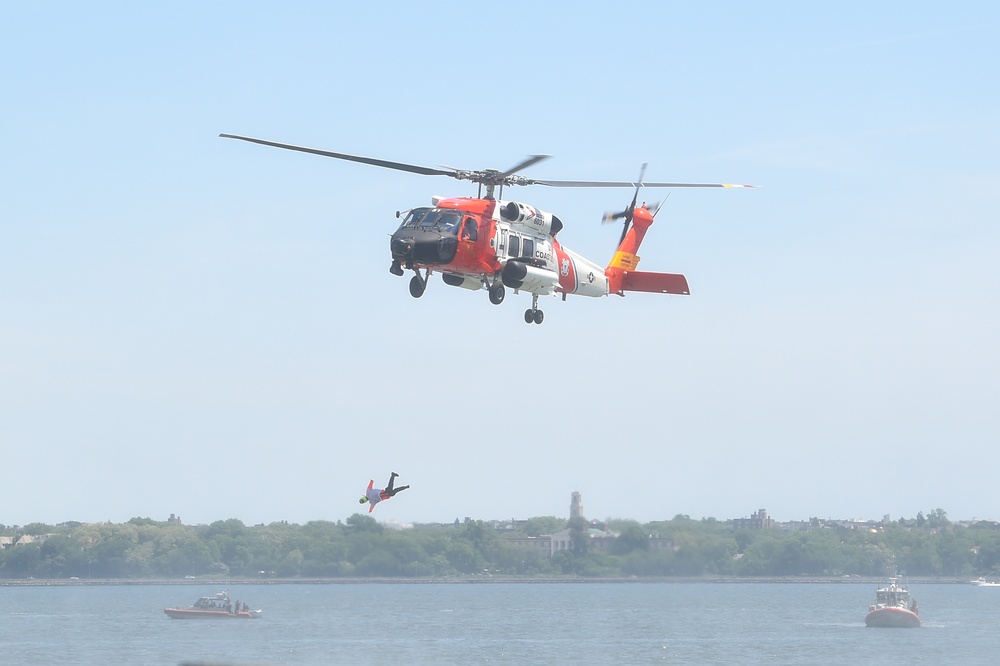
(362, 500)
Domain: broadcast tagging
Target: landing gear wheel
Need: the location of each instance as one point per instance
(497, 293)
(396, 269)
(533, 314)
(417, 286)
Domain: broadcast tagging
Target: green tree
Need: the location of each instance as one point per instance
(21, 561)
(362, 523)
(937, 518)
(579, 535)
(631, 537)
(464, 558)
(957, 556)
(36, 529)
(543, 525)
(988, 546)
(291, 564)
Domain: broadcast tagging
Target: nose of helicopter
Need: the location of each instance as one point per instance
(401, 248)
(422, 247)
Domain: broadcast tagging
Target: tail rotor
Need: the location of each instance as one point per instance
(629, 212)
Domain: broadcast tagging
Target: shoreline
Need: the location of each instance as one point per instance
(483, 580)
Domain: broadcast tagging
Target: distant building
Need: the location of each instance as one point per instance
(561, 541)
(576, 505)
(599, 538)
(25, 539)
(759, 520)
(541, 543)
(796, 526)
(596, 539)
(174, 520)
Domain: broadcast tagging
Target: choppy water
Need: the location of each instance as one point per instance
(560, 623)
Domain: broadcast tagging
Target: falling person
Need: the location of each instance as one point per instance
(375, 495)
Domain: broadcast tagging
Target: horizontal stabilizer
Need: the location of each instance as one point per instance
(658, 283)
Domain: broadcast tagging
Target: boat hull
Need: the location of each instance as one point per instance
(199, 614)
(892, 618)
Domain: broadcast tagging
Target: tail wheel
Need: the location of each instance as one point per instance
(497, 293)
(417, 286)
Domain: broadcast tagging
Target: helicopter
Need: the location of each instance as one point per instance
(490, 243)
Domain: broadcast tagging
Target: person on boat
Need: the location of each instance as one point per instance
(375, 495)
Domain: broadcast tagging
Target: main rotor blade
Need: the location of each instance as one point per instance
(399, 166)
(532, 159)
(623, 183)
(635, 197)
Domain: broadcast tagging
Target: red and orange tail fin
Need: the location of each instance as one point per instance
(658, 283)
(622, 273)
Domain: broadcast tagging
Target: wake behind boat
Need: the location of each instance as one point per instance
(893, 608)
(218, 607)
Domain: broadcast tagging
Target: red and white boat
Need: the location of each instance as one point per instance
(218, 607)
(893, 608)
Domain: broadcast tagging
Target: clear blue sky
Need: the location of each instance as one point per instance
(205, 327)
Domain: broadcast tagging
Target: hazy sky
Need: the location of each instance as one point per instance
(206, 327)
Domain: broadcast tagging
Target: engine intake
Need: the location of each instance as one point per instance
(529, 217)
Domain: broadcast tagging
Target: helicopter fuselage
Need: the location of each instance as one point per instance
(479, 243)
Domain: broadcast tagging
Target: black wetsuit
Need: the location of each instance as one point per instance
(389, 490)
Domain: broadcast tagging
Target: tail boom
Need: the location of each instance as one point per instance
(621, 271)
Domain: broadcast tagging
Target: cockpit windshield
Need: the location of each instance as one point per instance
(428, 219)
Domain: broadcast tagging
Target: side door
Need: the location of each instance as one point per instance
(468, 237)
(501, 243)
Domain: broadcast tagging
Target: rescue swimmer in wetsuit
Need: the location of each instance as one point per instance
(375, 495)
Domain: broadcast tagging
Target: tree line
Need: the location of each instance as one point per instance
(361, 547)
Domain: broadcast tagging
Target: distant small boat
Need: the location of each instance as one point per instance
(893, 608)
(218, 607)
(982, 582)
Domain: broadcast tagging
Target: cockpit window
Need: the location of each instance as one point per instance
(415, 216)
(445, 221)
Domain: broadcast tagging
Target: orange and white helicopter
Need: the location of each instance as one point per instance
(488, 243)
